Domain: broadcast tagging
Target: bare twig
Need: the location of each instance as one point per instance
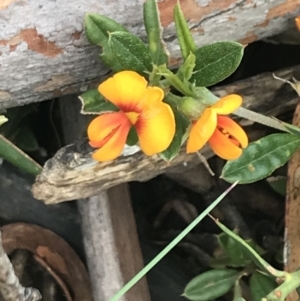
(10, 287)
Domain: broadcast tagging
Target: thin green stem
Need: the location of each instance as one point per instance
(291, 282)
(170, 246)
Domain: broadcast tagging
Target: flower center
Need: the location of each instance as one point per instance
(132, 116)
(229, 136)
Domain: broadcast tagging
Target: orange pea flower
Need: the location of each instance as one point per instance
(297, 22)
(140, 106)
(224, 136)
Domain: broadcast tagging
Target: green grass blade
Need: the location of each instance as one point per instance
(170, 246)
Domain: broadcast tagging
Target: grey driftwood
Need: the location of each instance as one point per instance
(44, 52)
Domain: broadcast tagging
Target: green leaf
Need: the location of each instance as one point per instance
(15, 156)
(132, 138)
(182, 124)
(185, 71)
(3, 119)
(109, 60)
(211, 285)
(216, 62)
(186, 41)
(256, 258)
(130, 52)
(153, 27)
(26, 140)
(261, 158)
(278, 184)
(94, 103)
(97, 29)
(261, 285)
(16, 118)
(237, 255)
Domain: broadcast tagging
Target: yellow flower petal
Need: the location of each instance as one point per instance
(223, 147)
(227, 104)
(233, 129)
(156, 128)
(125, 89)
(151, 97)
(114, 146)
(103, 125)
(202, 130)
(297, 22)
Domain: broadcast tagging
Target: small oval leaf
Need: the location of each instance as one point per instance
(130, 52)
(98, 26)
(256, 258)
(132, 138)
(278, 184)
(216, 62)
(94, 103)
(97, 29)
(238, 256)
(261, 158)
(261, 285)
(211, 285)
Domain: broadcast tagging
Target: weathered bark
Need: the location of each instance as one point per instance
(72, 174)
(44, 52)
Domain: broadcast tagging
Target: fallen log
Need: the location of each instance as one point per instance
(44, 52)
(72, 174)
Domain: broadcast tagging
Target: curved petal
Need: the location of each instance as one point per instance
(114, 146)
(228, 104)
(233, 129)
(156, 128)
(152, 96)
(103, 125)
(228, 146)
(223, 146)
(125, 89)
(202, 130)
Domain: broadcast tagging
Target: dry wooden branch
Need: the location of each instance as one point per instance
(115, 257)
(10, 287)
(43, 57)
(72, 174)
(292, 221)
